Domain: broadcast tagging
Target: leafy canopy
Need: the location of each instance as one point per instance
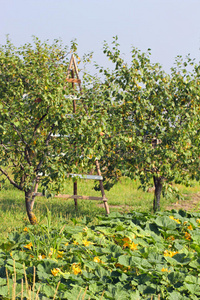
(39, 133)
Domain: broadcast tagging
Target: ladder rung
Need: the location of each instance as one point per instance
(66, 196)
(81, 197)
(73, 80)
(90, 177)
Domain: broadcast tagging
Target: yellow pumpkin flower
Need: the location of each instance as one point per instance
(55, 271)
(60, 254)
(190, 227)
(86, 243)
(187, 236)
(75, 243)
(28, 246)
(76, 269)
(26, 229)
(129, 244)
(97, 259)
(40, 257)
(165, 270)
(176, 220)
(133, 246)
(171, 238)
(170, 253)
(126, 245)
(51, 252)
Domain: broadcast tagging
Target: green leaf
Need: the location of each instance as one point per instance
(101, 273)
(7, 246)
(47, 290)
(4, 291)
(3, 281)
(175, 295)
(166, 223)
(125, 260)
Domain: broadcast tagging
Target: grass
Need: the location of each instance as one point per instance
(194, 188)
(123, 197)
(29, 292)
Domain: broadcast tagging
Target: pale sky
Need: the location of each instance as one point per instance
(168, 27)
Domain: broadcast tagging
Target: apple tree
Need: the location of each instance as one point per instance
(41, 140)
(155, 117)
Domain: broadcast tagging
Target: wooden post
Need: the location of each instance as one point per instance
(75, 194)
(102, 188)
(74, 111)
(73, 86)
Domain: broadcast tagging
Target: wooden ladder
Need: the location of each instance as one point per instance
(89, 177)
(76, 197)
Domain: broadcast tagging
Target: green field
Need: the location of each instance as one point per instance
(77, 255)
(123, 197)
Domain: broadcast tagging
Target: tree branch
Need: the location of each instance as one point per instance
(19, 134)
(10, 179)
(46, 142)
(22, 167)
(27, 155)
(40, 120)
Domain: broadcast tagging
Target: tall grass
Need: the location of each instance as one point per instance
(123, 197)
(26, 291)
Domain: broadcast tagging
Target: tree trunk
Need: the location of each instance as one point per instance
(158, 183)
(29, 200)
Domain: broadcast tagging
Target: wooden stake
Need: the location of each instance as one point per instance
(75, 194)
(102, 189)
(74, 111)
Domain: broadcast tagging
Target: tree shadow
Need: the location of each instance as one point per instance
(59, 208)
